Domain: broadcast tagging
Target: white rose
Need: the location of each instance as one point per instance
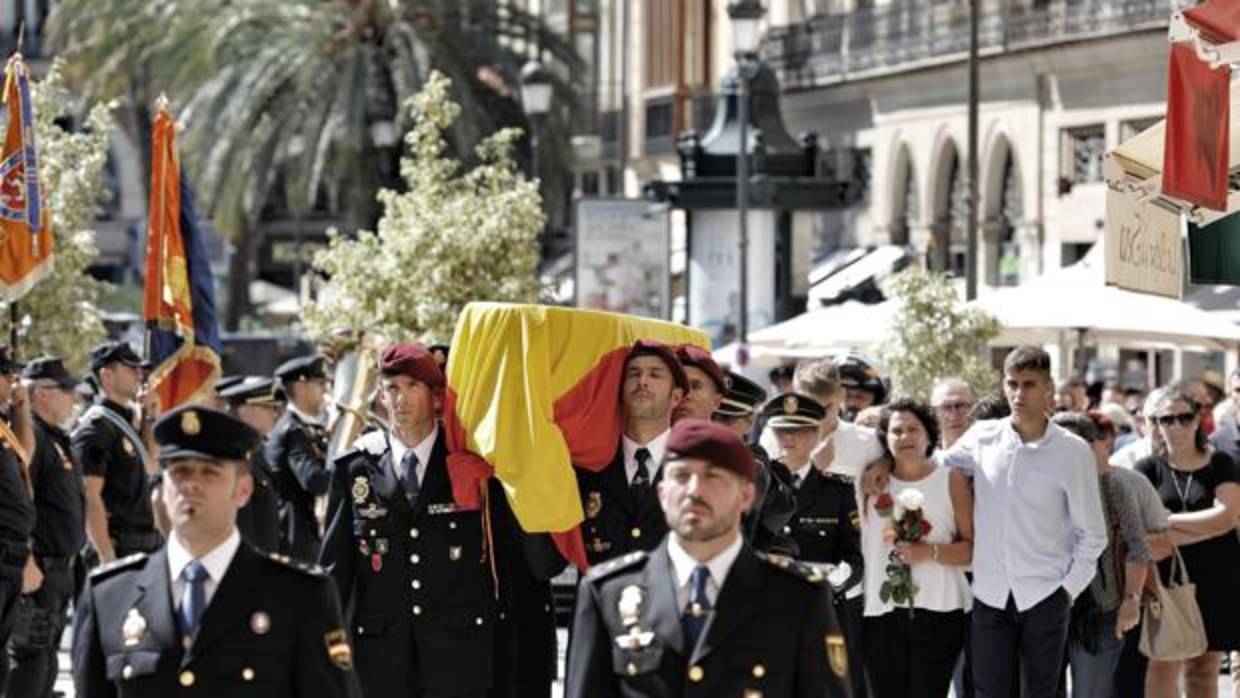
(911, 499)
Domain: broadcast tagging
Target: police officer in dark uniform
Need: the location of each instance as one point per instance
(208, 615)
(826, 526)
(110, 446)
(704, 614)
(296, 450)
(763, 525)
(621, 509)
(59, 532)
(418, 571)
(257, 401)
(17, 568)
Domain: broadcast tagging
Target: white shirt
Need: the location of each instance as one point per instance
(1128, 456)
(1037, 512)
(798, 475)
(683, 565)
(656, 447)
(422, 450)
(319, 419)
(216, 562)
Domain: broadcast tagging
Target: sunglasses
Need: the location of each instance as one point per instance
(1183, 419)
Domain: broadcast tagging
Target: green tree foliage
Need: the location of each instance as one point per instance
(933, 336)
(456, 235)
(60, 316)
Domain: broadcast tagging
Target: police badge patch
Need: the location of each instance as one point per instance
(361, 489)
(190, 423)
(594, 504)
(837, 655)
(791, 404)
(338, 650)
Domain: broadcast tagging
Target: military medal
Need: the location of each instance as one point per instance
(454, 552)
(128, 446)
(361, 490)
(594, 504)
(133, 628)
(376, 562)
(630, 604)
(260, 623)
(635, 638)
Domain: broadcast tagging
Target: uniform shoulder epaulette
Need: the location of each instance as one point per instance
(372, 443)
(287, 562)
(624, 562)
(795, 568)
(840, 478)
(129, 562)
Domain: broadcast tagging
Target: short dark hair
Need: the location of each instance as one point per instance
(1078, 424)
(991, 406)
(1027, 358)
(918, 409)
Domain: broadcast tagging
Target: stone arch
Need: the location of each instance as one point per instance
(905, 202)
(946, 199)
(1003, 213)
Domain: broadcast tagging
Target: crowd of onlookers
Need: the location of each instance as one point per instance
(1055, 513)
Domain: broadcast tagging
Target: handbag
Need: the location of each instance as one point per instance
(1171, 625)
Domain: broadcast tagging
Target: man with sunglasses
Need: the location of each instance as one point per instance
(296, 450)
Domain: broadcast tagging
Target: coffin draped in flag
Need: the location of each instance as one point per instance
(183, 340)
(26, 249)
(533, 391)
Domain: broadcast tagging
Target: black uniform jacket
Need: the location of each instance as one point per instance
(259, 519)
(296, 452)
(59, 496)
(772, 633)
(826, 526)
(616, 523)
(415, 579)
(773, 507)
(271, 630)
(103, 450)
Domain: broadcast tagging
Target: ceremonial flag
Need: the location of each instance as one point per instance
(178, 304)
(1217, 20)
(533, 391)
(26, 249)
(1197, 141)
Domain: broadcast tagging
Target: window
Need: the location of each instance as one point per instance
(1081, 156)
(1128, 129)
(677, 67)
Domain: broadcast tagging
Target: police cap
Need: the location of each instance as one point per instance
(793, 411)
(252, 390)
(114, 352)
(744, 397)
(50, 368)
(302, 368)
(194, 431)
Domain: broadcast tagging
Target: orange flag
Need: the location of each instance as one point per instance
(26, 254)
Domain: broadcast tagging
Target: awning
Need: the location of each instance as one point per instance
(872, 265)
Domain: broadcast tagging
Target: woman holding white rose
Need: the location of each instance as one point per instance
(916, 596)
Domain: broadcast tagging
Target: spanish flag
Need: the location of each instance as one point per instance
(533, 391)
(26, 254)
(178, 304)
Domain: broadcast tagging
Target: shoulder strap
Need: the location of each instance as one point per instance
(99, 411)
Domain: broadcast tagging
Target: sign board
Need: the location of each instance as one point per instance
(714, 274)
(1144, 246)
(623, 253)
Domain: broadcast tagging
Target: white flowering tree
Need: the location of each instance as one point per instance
(60, 316)
(457, 235)
(934, 336)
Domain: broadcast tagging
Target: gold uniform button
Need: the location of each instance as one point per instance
(636, 533)
(127, 672)
(631, 668)
(414, 558)
(416, 584)
(417, 610)
(413, 533)
(759, 671)
(247, 674)
(186, 678)
(696, 673)
(478, 620)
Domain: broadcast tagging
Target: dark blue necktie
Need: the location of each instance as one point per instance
(194, 597)
(409, 475)
(697, 610)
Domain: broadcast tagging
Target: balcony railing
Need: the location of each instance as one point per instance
(829, 48)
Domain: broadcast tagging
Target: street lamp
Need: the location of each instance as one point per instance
(536, 101)
(746, 16)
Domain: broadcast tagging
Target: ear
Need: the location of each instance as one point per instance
(748, 494)
(243, 489)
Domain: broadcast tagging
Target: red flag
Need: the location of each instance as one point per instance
(1217, 20)
(26, 254)
(1198, 140)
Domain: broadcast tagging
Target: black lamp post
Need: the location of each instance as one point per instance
(746, 16)
(536, 101)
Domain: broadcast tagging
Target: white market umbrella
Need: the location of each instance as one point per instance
(828, 330)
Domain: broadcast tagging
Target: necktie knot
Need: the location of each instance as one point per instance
(194, 573)
(642, 476)
(697, 587)
(194, 597)
(409, 475)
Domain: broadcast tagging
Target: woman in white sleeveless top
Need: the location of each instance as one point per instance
(912, 655)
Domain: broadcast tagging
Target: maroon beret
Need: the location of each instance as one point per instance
(649, 347)
(699, 358)
(699, 438)
(413, 360)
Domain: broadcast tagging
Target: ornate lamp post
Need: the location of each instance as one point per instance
(746, 16)
(536, 101)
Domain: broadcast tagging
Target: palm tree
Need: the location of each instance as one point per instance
(285, 99)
